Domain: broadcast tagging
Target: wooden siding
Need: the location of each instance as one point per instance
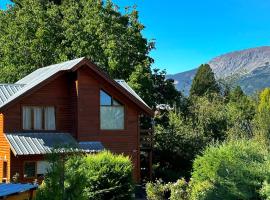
(76, 98)
(56, 93)
(118, 141)
(18, 164)
(4, 150)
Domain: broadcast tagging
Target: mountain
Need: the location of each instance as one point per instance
(248, 68)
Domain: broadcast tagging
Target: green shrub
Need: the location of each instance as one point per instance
(92, 177)
(232, 170)
(158, 190)
(179, 190)
(64, 179)
(109, 176)
(265, 190)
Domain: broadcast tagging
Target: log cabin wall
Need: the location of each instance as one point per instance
(4, 152)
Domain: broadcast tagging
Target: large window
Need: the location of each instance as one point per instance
(112, 115)
(38, 118)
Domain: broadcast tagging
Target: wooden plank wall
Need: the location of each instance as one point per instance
(118, 141)
(4, 150)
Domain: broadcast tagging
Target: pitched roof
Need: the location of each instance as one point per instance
(124, 84)
(43, 143)
(38, 143)
(8, 90)
(42, 74)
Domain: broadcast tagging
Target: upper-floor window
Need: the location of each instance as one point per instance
(112, 116)
(38, 118)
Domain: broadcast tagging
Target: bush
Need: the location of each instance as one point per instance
(109, 176)
(265, 190)
(233, 170)
(172, 191)
(64, 179)
(157, 190)
(99, 176)
(179, 190)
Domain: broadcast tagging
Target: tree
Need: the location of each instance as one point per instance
(37, 33)
(177, 142)
(204, 82)
(241, 110)
(262, 117)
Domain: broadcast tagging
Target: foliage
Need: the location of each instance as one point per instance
(179, 190)
(262, 118)
(177, 143)
(265, 191)
(76, 176)
(64, 179)
(108, 176)
(201, 191)
(204, 82)
(157, 190)
(162, 191)
(241, 110)
(210, 116)
(232, 170)
(40, 32)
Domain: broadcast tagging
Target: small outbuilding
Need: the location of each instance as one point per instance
(17, 191)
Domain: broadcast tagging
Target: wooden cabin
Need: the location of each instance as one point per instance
(70, 102)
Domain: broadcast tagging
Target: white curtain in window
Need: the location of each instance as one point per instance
(49, 118)
(38, 115)
(27, 118)
(42, 167)
(112, 117)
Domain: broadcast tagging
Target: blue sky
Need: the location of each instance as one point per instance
(191, 32)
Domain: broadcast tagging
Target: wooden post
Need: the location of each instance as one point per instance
(150, 154)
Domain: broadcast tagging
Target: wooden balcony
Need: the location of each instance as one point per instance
(146, 139)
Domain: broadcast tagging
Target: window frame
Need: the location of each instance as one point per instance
(122, 105)
(43, 118)
(29, 161)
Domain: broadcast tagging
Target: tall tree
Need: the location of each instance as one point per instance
(36, 33)
(204, 82)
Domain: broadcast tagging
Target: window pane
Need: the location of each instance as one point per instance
(29, 169)
(112, 118)
(49, 118)
(27, 118)
(105, 99)
(42, 168)
(37, 118)
(116, 103)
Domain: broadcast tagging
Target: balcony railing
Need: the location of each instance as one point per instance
(146, 140)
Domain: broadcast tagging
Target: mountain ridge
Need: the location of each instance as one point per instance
(249, 67)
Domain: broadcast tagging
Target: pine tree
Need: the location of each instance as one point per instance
(204, 82)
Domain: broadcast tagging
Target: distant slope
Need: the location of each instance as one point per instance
(250, 66)
(183, 80)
